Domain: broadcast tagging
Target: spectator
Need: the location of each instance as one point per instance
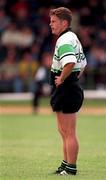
(27, 67)
(4, 20)
(96, 69)
(22, 38)
(42, 86)
(20, 12)
(8, 71)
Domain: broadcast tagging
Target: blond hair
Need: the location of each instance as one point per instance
(62, 13)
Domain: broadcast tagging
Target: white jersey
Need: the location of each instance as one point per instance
(68, 49)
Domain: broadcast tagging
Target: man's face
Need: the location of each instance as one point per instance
(57, 25)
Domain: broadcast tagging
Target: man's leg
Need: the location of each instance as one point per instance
(59, 122)
(67, 129)
(72, 146)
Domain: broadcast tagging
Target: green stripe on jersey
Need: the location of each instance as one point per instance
(56, 70)
(66, 48)
(76, 69)
(59, 70)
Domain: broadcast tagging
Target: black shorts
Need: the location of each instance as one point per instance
(67, 98)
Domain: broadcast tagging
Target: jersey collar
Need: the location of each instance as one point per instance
(68, 29)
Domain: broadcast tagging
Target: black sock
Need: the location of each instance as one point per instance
(63, 164)
(71, 168)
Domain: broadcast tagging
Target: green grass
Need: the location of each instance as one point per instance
(44, 101)
(95, 102)
(30, 148)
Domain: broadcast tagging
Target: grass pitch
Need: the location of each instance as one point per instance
(30, 148)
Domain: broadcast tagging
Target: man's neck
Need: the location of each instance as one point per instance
(64, 31)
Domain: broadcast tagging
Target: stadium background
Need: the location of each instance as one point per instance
(26, 41)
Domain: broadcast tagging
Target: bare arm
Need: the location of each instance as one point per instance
(65, 73)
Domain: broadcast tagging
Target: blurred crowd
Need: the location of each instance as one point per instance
(26, 42)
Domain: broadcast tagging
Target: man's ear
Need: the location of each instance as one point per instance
(65, 23)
